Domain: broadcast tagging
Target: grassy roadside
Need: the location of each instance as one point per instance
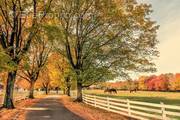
(88, 112)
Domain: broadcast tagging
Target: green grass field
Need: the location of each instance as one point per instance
(171, 98)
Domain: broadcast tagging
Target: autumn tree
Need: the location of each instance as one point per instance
(132, 85)
(103, 39)
(142, 83)
(66, 73)
(22, 83)
(48, 79)
(162, 83)
(175, 82)
(44, 80)
(20, 23)
(5, 62)
(158, 83)
(3, 77)
(61, 71)
(56, 78)
(151, 82)
(35, 60)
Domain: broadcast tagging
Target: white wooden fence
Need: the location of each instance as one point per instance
(134, 109)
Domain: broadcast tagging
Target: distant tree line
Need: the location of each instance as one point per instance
(163, 82)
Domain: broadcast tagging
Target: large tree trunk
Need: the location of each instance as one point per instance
(64, 91)
(68, 91)
(8, 99)
(31, 91)
(68, 86)
(79, 92)
(46, 90)
(57, 91)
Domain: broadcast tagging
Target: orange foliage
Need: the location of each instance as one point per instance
(175, 82)
(21, 83)
(163, 82)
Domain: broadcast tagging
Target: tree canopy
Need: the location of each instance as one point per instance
(97, 40)
(106, 39)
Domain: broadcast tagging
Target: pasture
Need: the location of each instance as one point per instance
(172, 98)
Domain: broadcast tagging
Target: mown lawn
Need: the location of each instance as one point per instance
(172, 98)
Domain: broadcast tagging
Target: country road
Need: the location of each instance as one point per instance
(50, 108)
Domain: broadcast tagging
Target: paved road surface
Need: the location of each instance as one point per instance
(50, 109)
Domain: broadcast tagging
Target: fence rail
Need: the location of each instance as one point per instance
(135, 109)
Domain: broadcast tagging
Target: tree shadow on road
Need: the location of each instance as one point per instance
(50, 109)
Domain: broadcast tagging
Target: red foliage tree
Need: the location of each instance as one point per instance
(150, 82)
(161, 83)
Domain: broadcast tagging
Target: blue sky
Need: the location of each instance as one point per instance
(167, 15)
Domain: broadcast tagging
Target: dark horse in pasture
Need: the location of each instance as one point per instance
(133, 90)
(112, 90)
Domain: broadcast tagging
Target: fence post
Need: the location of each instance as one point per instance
(129, 108)
(94, 100)
(108, 107)
(84, 98)
(163, 111)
